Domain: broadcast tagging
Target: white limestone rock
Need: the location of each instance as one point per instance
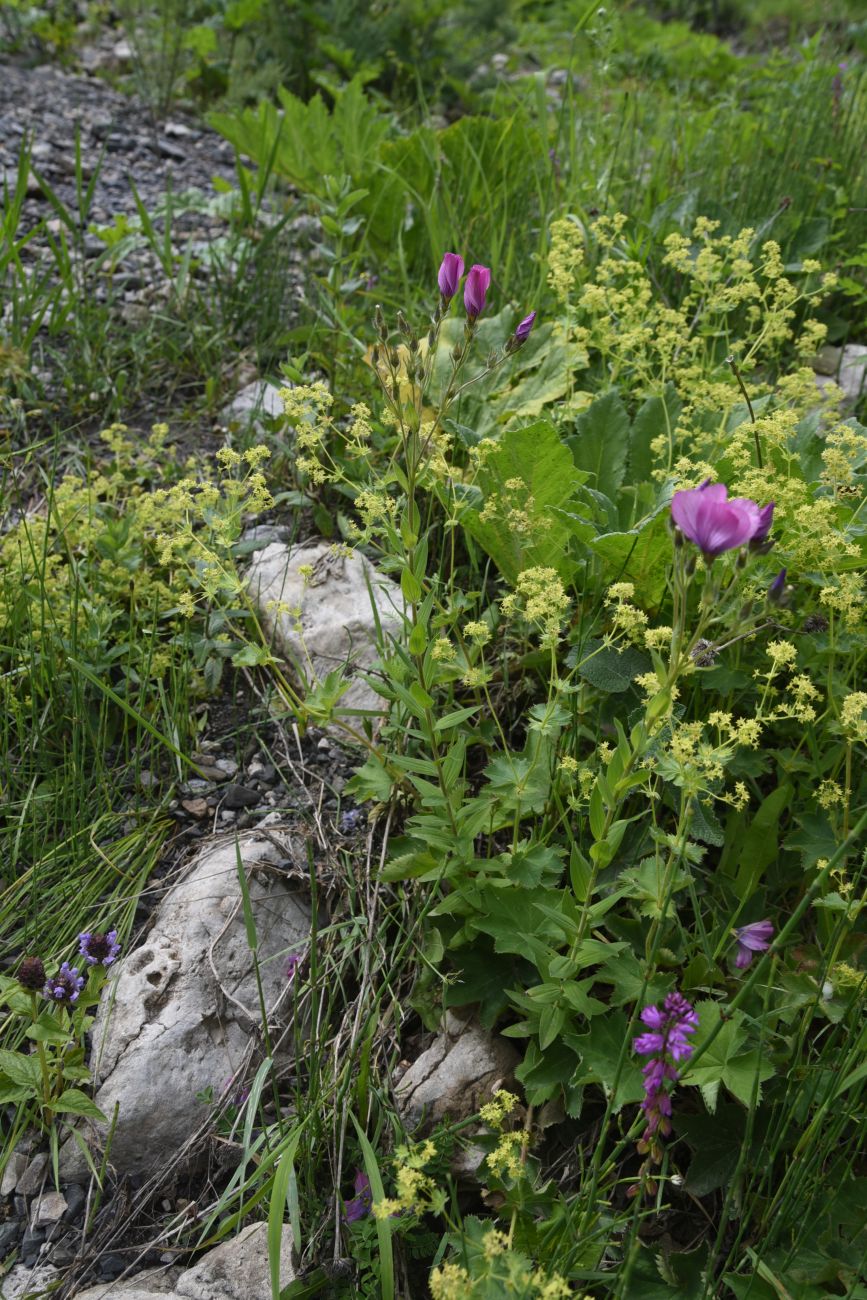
(338, 625)
(457, 1074)
(178, 1014)
(237, 1269)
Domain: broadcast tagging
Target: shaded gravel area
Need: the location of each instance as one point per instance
(119, 141)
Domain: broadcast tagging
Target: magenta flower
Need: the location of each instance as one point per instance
(450, 273)
(715, 524)
(475, 290)
(362, 1201)
(98, 949)
(666, 1045)
(522, 333)
(752, 939)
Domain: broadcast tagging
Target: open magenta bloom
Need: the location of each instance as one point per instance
(752, 939)
(476, 289)
(98, 949)
(666, 1045)
(715, 524)
(450, 273)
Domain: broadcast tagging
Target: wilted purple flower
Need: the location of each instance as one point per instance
(98, 949)
(475, 290)
(292, 964)
(31, 974)
(752, 939)
(362, 1201)
(715, 524)
(350, 819)
(666, 1045)
(65, 986)
(450, 273)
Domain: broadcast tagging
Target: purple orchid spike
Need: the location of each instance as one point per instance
(450, 274)
(666, 1045)
(706, 517)
(476, 289)
(752, 939)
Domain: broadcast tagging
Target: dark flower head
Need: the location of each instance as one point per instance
(362, 1201)
(64, 987)
(752, 939)
(98, 949)
(31, 974)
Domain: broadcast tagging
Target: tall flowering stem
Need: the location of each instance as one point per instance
(666, 1045)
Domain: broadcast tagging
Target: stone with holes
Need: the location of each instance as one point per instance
(181, 1009)
(335, 595)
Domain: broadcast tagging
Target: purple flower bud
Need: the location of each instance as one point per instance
(475, 290)
(777, 589)
(715, 524)
(522, 333)
(449, 278)
(98, 949)
(752, 939)
(292, 965)
(64, 987)
(766, 518)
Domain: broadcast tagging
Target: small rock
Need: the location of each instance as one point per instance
(458, 1073)
(846, 367)
(227, 765)
(10, 1231)
(239, 796)
(50, 1207)
(195, 807)
(252, 402)
(31, 1180)
(337, 620)
(15, 1166)
(76, 1199)
(146, 779)
(178, 129)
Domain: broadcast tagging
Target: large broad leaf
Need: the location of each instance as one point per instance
(641, 556)
(603, 1059)
(536, 458)
(600, 441)
(607, 668)
(727, 1060)
(655, 419)
(716, 1142)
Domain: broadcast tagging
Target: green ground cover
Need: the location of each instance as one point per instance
(622, 766)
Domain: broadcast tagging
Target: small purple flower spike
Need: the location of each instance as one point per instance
(98, 949)
(64, 987)
(752, 939)
(475, 290)
(666, 1045)
(706, 517)
(450, 273)
(362, 1201)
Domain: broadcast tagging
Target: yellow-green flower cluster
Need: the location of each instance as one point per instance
(539, 596)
